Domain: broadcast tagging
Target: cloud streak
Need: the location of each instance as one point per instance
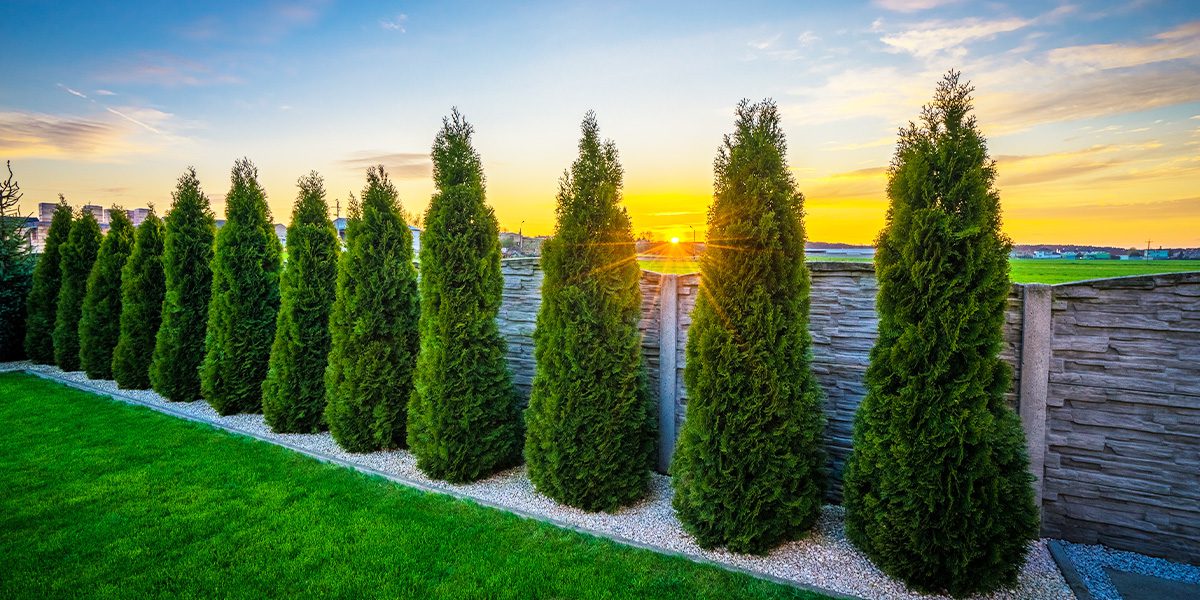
(399, 165)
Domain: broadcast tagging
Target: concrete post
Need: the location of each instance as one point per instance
(1037, 333)
(668, 322)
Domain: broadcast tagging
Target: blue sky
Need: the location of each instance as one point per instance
(1092, 109)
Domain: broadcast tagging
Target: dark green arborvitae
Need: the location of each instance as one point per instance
(76, 258)
(245, 298)
(42, 307)
(100, 323)
(590, 431)
(143, 286)
(16, 270)
(294, 391)
(373, 325)
(187, 254)
(464, 420)
(749, 466)
(937, 489)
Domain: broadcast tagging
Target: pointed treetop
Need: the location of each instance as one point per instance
(455, 161)
(310, 204)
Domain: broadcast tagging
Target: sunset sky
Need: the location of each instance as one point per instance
(1092, 109)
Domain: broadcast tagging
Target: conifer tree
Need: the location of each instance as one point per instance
(294, 390)
(16, 270)
(76, 258)
(937, 489)
(373, 325)
(143, 286)
(245, 298)
(100, 323)
(187, 254)
(749, 465)
(42, 307)
(464, 420)
(590, 430)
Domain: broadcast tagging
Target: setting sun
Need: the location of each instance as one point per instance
(674, 240)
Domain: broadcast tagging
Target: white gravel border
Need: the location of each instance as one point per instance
(824, 562)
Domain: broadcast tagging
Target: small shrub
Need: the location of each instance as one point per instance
(590, 428)
(464, 420)
(143, 287)
(245, 299)
(100, 323)
(187, 254)
(374, 325)
(75, 263)
(294, 390)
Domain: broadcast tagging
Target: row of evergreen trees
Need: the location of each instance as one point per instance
(936, 490)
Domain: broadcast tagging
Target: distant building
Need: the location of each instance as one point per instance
(97, 211)
(138, 215)
(1159, 254)
(38, 228)
(281, 233)
(341, 223)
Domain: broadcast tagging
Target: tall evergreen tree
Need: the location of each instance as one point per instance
(143, 286)
(373, 325)
(294, 390)
(100, 322)
(16, 270)
(937, 490)
(187, 254)
(245, 298)
(590, 428)
(749, 465)
(464, 420)
(42, 307)
(76, 258)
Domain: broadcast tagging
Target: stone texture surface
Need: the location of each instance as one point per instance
(1123, 415)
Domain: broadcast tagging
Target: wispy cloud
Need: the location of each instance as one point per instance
(932, 38)
(166, 70)
(27, 134)
(396, 23)
(1180, 43)
(399, 165)
(908, 6)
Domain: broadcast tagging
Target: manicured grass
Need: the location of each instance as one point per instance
(104, 499)
(1023, 270)
(1049, 270)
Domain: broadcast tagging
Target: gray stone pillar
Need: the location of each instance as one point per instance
(668, 328)
(1037, 333)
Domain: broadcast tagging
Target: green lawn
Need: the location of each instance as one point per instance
(104, 499)
(1024, 270)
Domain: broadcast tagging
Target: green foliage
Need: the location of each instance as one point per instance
(42, 307)
(187, 254)
(245, 298)
(749, 465)
(100, 322)
(590, 427)
(143, 286)
(937, 489)
(373, 324)
(76, 258)
(294, 390)
(464, 417)
(16, 271)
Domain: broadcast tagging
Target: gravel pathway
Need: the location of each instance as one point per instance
(824, 561)
(1090, 562)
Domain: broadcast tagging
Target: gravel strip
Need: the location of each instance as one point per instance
(1090, 562)
(824, 561)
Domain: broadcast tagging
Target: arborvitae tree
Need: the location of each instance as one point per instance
(590, 428)
(464, 418)
(42, 307)
(16, 270)
(937, 490)
(100, 323)
(187, 254)
(749, 466)
(294, 391)
(142, 289)
(373, 324)
(245, 298)
(75, 263)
